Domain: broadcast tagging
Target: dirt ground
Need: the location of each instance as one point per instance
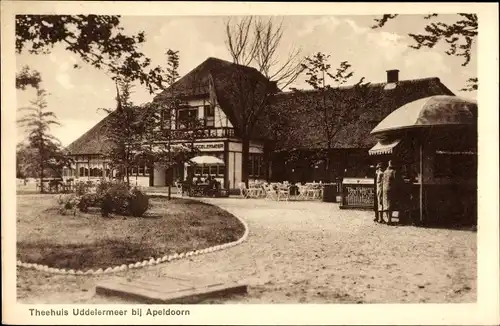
(308, 252)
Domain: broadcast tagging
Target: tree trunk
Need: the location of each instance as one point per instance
(170, 179)
(327, 168)
(245, 157)
(41, 176)
(41, 169)
(151, 174)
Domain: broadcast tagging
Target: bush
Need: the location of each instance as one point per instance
(68, 204)
(118, 195)
(88, 200)
(82, 187)
(138, 203)
(115, 196)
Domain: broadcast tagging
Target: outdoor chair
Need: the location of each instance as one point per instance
(254, 191)
(270, 192)
(284, 192)
(243, 190)
(178, 185)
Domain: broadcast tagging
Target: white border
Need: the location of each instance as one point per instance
(485, 311)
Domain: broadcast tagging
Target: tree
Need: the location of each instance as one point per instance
(28, 77)
(42, 150)
(98, 40)
(331, 108)
(121, 132)
(459, 36)
(255, 42)
(156, 126)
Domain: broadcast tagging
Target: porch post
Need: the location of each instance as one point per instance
(421, 196)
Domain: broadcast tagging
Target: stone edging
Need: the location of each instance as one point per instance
(150, 262)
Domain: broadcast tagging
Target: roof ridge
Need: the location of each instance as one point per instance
(369, 84)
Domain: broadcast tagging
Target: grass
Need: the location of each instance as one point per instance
(90, 241)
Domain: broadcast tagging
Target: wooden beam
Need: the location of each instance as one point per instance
(421, 196)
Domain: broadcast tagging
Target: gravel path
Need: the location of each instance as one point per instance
(308, 252)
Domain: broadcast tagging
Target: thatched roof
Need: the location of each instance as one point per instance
(298, 126)
(94, 141)
(233, 86)
(288, 121)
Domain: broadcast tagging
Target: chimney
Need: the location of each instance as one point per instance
(392, 76)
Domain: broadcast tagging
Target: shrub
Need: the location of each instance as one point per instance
(88, 200)
(103, 186)
(138, 203)
(118, 197)
(115, 196)
(82, 187)
(68, 204)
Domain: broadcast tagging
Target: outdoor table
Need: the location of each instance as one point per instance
(200, 189)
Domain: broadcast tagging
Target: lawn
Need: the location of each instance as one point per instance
(90, 241)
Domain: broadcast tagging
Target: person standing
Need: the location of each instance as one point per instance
(390, 190)
(379, 172)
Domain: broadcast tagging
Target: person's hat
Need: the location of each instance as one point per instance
(379, 165)
(393, 164)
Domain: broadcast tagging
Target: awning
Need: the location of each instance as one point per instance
(457, 152)
(384, 147)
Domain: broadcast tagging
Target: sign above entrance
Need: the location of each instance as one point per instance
(209, 146)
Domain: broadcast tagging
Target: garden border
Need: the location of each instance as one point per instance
(144, 263)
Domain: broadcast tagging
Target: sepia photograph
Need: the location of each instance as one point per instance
(244, 159)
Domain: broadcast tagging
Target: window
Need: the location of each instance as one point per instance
(256, 165)
(165, 118)
(140, 170)
(186, 117)
(209, 114)
(458, 165)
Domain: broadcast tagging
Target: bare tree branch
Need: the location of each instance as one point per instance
(256, 42)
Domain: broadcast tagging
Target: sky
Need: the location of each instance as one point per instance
(76, 95)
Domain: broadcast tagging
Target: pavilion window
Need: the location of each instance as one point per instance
(141, 170)
(455, 165)
(146, 170)
(197, 170)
